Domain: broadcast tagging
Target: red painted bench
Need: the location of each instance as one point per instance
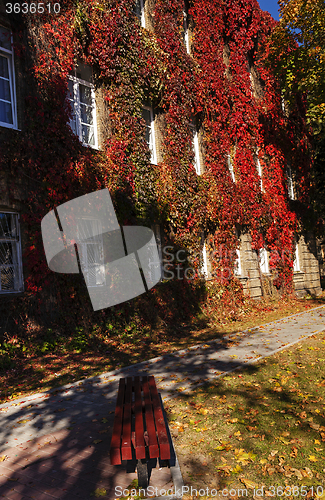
(139, 425)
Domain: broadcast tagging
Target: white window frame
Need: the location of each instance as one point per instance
(18, 267)
(9, 54)
(252, 82)
(264, 261)
(291, 192)
(196, 149)
(84, 242)
(186, 31)
(259, 170)
(142, 18)
(296, 262)
(231, 168)
(238, 266)
(152, 139)
(76, 108)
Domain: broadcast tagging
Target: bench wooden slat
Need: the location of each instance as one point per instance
(150, 423)
(126, 436)
(140, 450)
(159, 420)
(115, 451)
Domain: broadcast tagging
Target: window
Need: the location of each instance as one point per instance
(296, 262)
(186, 34)
(11, 276)
(139, 12)
(91, 251)
(231, 168)
(238, 269)
(259, 168)
(8, 114)
(291, 193)
(196, 149)
(81, 95)
(264, 261)
(147, 115)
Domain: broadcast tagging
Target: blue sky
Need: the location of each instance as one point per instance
(271, 6)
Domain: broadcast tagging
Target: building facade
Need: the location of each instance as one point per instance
(168, 104)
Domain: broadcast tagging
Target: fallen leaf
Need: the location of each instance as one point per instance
(203, 411)
(104, 420)
(249, 484)
(297, 473)
(3, 458)
(97, 441)
(312, 458)
(306, 472)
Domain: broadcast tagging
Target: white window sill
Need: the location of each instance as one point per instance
(8, 125)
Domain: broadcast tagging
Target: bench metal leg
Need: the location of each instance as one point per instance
(142, 471)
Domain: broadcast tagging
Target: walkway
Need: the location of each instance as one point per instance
(56, 444)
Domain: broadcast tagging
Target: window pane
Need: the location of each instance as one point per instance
(70, 89)
(5, 38)
(86, 114)
(4, 90)
(6, 253)
(4, 69)
(7, 278)
(7, 226)
(137, 9)
(5, 112)
(85, 95)
(88, 135)
(146, 114)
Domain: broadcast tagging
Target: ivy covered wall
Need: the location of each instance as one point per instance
(224, 86)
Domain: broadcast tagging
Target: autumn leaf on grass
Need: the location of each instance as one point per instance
(297, 473)
(203, 411)
(243, 457)
(294, 452)
(99, 492)
(312, 458)
(283, 440)
(249, 484)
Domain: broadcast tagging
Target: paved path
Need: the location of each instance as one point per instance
(55, 435)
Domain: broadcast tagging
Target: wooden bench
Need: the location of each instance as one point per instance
(139, 426)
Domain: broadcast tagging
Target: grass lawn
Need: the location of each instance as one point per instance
(48, 360)
(262, 426)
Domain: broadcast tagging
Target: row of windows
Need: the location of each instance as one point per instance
(81, 95)
(90, 251)
(290, 188)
